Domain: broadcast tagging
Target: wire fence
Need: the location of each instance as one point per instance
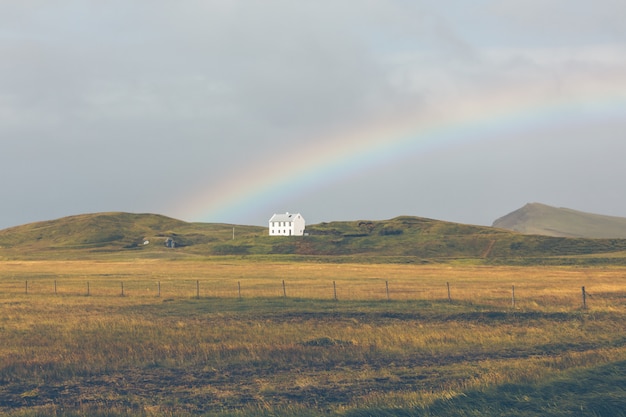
(504, 296)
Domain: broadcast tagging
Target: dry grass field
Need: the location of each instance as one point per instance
(234, 337)
(535, 287)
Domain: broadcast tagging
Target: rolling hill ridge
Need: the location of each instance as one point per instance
(401, 239)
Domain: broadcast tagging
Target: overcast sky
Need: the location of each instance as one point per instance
(159, 106)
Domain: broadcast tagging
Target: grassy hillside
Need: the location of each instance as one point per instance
(401, 239)
(545, 220)
(100, 233)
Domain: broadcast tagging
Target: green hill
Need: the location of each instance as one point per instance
(401, 239)
(540, 219)
(108, 233)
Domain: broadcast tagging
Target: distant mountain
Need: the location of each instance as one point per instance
(540, 219)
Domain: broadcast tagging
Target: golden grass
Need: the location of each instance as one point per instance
(177, 353)
(534, 287)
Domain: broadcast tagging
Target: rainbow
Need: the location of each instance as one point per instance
(443, 126)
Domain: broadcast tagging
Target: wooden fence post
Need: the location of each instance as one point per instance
(198, 288)
(159, 289)
(26, 287)
(122, 288)
(88, 293)
(584, 298)
(513, 296)
(284, 290)
(449, 297)
(335, 290)
(239, 289)
(387, 289)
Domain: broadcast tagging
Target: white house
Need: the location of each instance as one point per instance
(288, 224)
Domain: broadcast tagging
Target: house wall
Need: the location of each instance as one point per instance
(281, 228)
(298, 226)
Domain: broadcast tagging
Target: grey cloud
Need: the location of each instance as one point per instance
(561, 22)
(114, 105)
